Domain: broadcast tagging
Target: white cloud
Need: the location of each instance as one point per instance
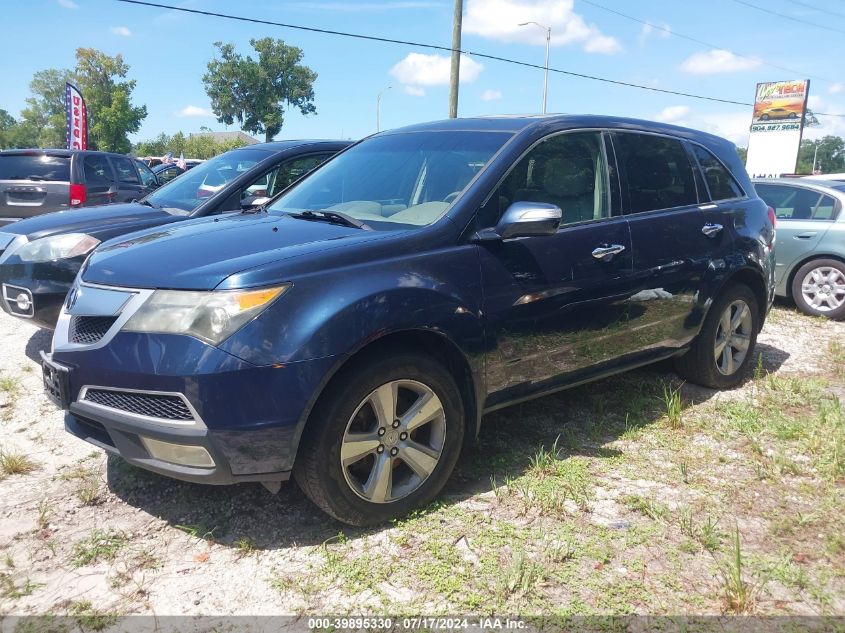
(121, 30)
(835, 88)
(673, 114)
(658, 29)
(417, 71)
(491, 95)
(192, 110)
(717, 60)
(68, 4)
(500, 20)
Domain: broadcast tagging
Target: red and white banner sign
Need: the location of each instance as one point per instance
(77, 118)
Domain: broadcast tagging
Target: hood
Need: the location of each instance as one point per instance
(199, 254)
(92, 220)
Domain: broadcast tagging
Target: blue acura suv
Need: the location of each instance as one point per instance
(353, 332)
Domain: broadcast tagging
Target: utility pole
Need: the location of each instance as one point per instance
(815, 155)
(456, 59)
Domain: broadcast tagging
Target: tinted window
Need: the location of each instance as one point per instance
(35, 167)
(796, 203)
(125, 170)
(566, 170)
(293, 170)
(167, 174)
(397, 180)
(720, 183)
(148, 178)
(658, 170)
(97, 170)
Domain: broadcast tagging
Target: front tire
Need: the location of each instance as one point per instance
(818, 288)
(382, 440)
(720, 354)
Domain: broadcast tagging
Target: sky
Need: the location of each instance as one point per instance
(738, 45)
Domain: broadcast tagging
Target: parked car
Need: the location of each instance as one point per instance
(827, 177)
(40, 257)
(165, 172)
(810, 254)
(36, 181)
(355, 332)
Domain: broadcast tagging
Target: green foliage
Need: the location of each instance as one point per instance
(830, 158)
(111, 115)
(192, 146)
(743, 154)
(258, 92)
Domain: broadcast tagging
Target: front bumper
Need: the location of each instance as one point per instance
(247, 418)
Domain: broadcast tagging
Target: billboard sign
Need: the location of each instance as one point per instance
(77, 118)
(776, 128)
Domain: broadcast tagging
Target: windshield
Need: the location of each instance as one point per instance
(205, 180)
(397, 181)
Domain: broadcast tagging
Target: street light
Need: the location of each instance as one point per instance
(548, 31)
(378, 106)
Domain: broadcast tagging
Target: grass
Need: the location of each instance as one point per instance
(13, 463)
(8, 588)
(674, 406)
(88, 618)
(100, 545)
(740, 592)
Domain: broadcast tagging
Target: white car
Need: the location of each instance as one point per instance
(836, 177)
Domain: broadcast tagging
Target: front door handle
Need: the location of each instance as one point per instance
(605, 253)
(711, 230)
(806, 235)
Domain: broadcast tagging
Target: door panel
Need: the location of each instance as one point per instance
(555, 311)
(100, 187)
(677, 242)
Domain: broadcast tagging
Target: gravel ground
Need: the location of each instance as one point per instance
(83, 532)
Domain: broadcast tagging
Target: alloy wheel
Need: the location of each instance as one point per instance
(823, 288)
(393, 441)
(733, 337)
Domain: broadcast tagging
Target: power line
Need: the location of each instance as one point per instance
(819, 9)
(790, 17)
(670, 31)
(437, 47)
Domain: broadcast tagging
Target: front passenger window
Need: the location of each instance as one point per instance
(567, 170)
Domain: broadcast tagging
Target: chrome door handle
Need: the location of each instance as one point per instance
(606, 252)
(711, 230)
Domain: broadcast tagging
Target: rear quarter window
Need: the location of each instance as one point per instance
(720, 183)
(35, 167)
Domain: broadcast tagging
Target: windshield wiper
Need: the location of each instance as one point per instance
(334, 217)
(146, 203)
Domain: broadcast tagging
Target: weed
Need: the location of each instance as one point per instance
(709, 535)
(198, 531)
(740, 593)
(9, 561)
(12, 463)
(521, 575)
(8, 589)
(245, 547)
(836, 352)
(101, 545)
(649, 507)
(9, 385)
(683, 469)
(89, 492)
(44, 512)
(674, 406)
(89, 618)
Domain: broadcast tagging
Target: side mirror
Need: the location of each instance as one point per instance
(525, 219)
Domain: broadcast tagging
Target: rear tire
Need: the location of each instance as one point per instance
(364, 457)
(722, 351)
(818, 288)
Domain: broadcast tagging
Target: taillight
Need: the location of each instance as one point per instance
(77, 195)
(772, 217)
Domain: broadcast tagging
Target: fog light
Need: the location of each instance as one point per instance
(181, 454)
(23, 302)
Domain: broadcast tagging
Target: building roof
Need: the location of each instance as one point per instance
(222, 137)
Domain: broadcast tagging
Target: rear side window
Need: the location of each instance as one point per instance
(97, 170)
(658, 172)
(126, 171)
(797, 203)
(35, 167)
(721, 184)
(148, 178)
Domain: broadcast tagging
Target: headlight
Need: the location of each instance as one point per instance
(55, 247)
(210, 316)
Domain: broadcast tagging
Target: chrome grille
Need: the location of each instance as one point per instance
(160, 406)
(89, 329)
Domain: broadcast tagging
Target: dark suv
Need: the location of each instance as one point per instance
(355, 333)
(36, 181)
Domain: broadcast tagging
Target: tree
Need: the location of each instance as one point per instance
(7, 129)
(830, 157)
(743, 154)
(111, 115)
(43, 122)
(257, 93)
